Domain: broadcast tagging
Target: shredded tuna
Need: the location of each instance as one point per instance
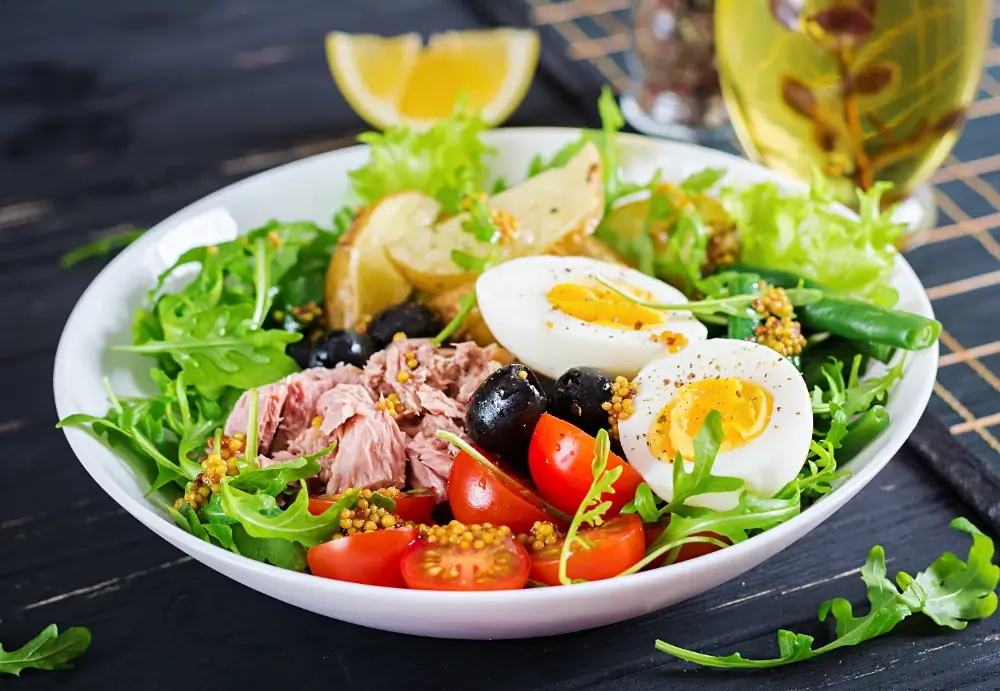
(286, 407)
(370, 448)
(431, 457)
(305, 412)
(304, 391)
(271, 401)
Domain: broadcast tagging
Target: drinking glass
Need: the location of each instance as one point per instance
(861, 90)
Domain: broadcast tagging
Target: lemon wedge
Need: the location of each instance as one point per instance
(398, 81)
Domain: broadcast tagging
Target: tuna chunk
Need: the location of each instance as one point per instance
(286, 407)
(430, 457)
(439, 374)
(269, 406)
(305, 412)
(304, 392)
(370, 449)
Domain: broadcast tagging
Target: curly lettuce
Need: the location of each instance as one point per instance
(805, 234)
(446, 161)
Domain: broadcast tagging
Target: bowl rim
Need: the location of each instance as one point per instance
(781, 536)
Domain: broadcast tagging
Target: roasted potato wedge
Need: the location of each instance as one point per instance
(547, 208)
(361, 280)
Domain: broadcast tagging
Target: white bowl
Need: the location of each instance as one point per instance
(313, 189)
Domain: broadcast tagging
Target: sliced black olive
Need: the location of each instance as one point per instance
(579, 394)
(339, 346)
(300, 352)
(503, 411)
(411, 318)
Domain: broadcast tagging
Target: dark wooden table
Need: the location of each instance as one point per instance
(116, 113)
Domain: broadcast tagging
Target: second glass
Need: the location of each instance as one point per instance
(862, 90)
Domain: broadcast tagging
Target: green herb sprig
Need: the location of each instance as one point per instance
(480, 226)
(592, 509)
(734, 306)
(950, 591)
(49, 650)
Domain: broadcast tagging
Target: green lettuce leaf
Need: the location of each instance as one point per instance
(446, 161)
(801, 233)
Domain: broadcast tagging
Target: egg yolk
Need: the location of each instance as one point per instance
(599, 305)
(744, 406)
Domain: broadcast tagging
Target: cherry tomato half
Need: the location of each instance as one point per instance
(502, 565)
(617, 545)
(478, 495)
(688, 551)
(416, 507)
(370, 558)
(560, 459)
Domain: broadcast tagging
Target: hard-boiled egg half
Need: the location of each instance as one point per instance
(553, 314)
(766, 418)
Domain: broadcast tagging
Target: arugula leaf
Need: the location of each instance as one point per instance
(592, 509)
(187, 519)
(861, 395)
(698, 481)
(276, 477)
(950, 591)
(956, 591)
(820, 469)
(213, 512)
(101, 247)
(138, 427)
(261, 518)
(855, 395)
(446, 161)
(803, 233)
(49, 650)
(219, 348)
(278, 552)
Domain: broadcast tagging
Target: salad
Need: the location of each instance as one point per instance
(465, 384)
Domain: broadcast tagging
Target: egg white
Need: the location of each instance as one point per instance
(512, 298)
(765, 464)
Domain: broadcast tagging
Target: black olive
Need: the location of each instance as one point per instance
(580, 391)
(503, 411)
(300, 352)
(411, 318)
(340, 346)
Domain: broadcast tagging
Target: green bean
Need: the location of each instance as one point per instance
(744, 328)
(876, 351)
(776, 277)
(862, 432)
(863, 321)
(857, 320)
